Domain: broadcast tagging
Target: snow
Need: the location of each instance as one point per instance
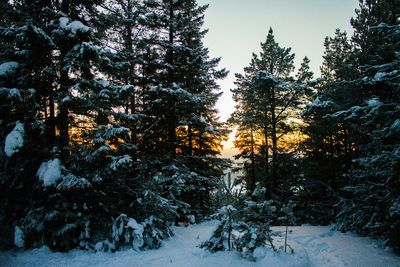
(103, 83)
(313, 246)
(374, 102)
(132, 223)
(178, 92)
(264, 75)
(15, 139)
(322, 104)
(127, 87)
(122, 161)
(8, 67)
(74, 26)
(138, 230)
(66, 99)
(396, 125)
(70, 181)
(228, 208)
(18, 237)
(50, 172)
(381, 75)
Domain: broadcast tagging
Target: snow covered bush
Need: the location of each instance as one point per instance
(155, 230)
(148, 234)
(244, 229)
(19, 237)
(254, 228)
(65, 220)
(251, 238)
(128, 231)
(222, 237)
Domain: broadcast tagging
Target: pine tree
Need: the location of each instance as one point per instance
(222, 238)
(267, 97)
(244, 228)
(328, 144)
(25, 77)
(304, 73)
(353, 123)
(180, 104)
(371, 208)
(247, 135)
(254, 225)
(63, 58)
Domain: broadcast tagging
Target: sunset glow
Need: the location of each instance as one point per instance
(244, 26)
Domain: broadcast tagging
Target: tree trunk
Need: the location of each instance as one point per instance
(171, 78)
(274, 156)
(266, 159)
(253, 171)
(332, 161)
(129, 79)
(274, 146)
(190, 135)
(63, 116)
(51, 126)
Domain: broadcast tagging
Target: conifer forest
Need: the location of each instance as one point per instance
(110, 136)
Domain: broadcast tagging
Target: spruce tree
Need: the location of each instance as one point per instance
(25, 80)
(353, 123)
(180, 104)
(371, 208)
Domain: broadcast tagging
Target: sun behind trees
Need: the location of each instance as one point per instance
(269, 103)
(109, 132)
(346, 167)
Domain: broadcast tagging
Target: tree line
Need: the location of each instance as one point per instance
(109, 132)
(110, 135)
(329, 147)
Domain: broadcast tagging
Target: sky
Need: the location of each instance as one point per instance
(237, 27)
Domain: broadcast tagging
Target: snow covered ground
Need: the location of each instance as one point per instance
(314, 246)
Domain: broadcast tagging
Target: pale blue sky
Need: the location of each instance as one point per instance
(237, 27)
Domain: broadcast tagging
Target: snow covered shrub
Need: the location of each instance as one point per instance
(222, 238)
(49, 227)
(246, 228)
(148, 234)
(286, 215)
(313, 202)
(155, 230)
(287, 218)
(252, 237)
(127, 231)
(64, 213)
(59, 223)
(19, 237)
(183, 186)
(104, 246)
(254, 228)
(228, 191)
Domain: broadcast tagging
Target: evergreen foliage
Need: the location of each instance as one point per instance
(352, 126)
(109, 131)
(268, 98)
(244, 228)
(345, 169)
